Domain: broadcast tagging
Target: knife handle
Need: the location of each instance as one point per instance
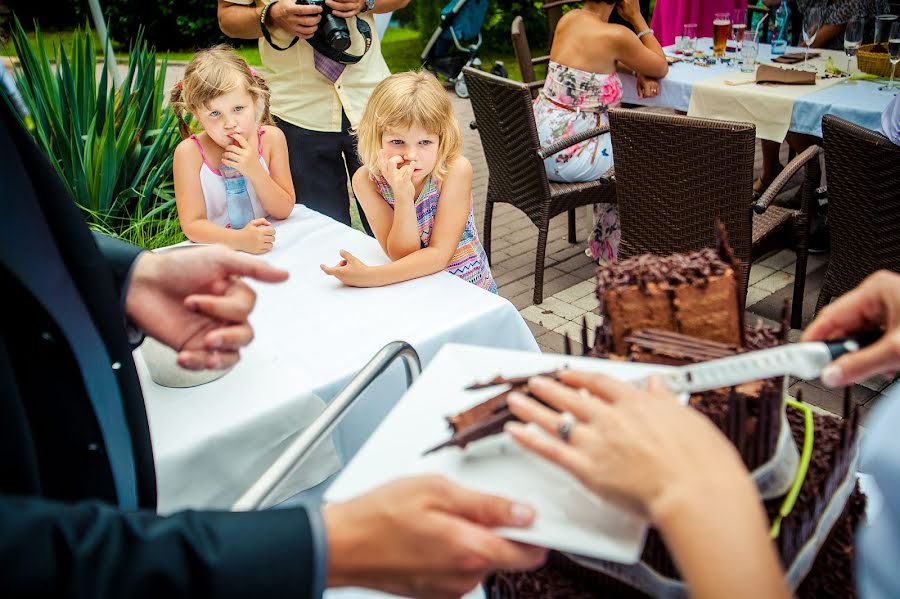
(846, 345)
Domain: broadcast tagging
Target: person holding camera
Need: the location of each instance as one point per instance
(323, 59)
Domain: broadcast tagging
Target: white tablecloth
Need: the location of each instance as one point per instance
(859, 102)
(312, 335)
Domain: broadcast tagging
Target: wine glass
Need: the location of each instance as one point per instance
(853, 36)
(894, 52)
(883, 20)
(812, 21)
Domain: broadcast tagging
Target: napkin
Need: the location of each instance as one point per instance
(794, 57)
(767, 74)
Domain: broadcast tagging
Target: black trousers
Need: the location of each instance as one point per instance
(320, 164)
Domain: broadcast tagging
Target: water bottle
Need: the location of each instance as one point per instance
(780, 34)
(237, 200)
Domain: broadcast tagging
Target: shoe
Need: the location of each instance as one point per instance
(820, 238)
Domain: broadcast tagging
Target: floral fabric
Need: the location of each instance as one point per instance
(573, 101)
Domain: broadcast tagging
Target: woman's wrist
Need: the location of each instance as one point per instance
(639, 23)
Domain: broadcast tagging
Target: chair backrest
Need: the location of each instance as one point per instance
(520, 47)
(863, 170)
(505, 120)
(675, 175)
(554, 11)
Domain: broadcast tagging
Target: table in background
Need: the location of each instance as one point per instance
(313, 334)
(859, 102)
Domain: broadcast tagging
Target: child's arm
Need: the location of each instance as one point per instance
(257, 237)
(449, 222)
(274, 189)
(398, 227)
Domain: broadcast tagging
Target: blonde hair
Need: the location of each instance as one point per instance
(212, 73)
(403, 100)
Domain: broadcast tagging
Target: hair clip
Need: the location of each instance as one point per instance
(254, 72)
(180, 84)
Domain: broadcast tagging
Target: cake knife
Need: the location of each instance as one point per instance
(804, 360)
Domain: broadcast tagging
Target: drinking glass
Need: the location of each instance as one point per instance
(853, 36)
(748, 52)
(894, 52)
(883, 20)
(689, 39)
(738, 27)
(812, 21)
(721, 29)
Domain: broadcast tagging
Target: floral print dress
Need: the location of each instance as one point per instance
(573, 101)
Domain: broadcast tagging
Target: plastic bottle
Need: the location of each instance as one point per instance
(240, 209)
(780, 34)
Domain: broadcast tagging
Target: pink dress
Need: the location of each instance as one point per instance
(669, 16)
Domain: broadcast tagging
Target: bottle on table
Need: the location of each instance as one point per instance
(780, 33)
(240, 209)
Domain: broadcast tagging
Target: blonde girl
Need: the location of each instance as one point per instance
(230, 101)
(415, 188)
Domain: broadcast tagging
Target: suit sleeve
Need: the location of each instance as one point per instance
(90, 549)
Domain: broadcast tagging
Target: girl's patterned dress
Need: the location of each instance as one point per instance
(573, 101)
(469, 262)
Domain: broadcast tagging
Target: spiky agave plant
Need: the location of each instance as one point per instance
(112, 147)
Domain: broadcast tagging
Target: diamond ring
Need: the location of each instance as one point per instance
(564, 428)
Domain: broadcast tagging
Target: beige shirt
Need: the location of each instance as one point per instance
(304, 97)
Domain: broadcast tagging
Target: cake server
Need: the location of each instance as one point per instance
(803, 360)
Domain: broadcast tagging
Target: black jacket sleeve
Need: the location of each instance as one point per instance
(120, 256)
(89, 549)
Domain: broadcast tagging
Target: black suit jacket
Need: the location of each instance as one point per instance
(60, 534)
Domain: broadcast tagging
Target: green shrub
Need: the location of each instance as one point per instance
(167, 24)
(112, 148)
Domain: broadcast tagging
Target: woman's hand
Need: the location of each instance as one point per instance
(241, 156)
(350, 271)
(398, 171)
(638, 448)
(630, 10)
(258, 236)
(874, 304)
(647, 87)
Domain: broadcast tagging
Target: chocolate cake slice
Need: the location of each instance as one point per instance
(695, 293)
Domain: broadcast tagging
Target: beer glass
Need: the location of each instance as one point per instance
(721, 29)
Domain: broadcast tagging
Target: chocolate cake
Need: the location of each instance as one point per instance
(692, 293)
(683, 309)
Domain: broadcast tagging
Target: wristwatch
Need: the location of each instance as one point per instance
(370, 5)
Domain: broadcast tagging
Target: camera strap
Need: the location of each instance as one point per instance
(322, 48)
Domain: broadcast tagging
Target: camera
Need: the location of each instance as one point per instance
(332, 31)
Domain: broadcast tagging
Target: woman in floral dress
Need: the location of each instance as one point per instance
(582, 85)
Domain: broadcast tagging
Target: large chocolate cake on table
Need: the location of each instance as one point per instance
(682, 309)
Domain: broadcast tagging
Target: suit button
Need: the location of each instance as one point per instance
(46, 336)
(94, 448)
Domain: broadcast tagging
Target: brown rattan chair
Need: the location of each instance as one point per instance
(863, 170)
(675, 175)
(515, 159)
(524, 58)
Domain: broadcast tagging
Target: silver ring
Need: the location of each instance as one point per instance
(565, 426)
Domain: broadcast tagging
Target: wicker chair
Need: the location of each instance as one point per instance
(523, 56)
(863, 205)
(515, 158)
(675, 175)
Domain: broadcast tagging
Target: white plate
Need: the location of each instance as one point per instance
(569, 517)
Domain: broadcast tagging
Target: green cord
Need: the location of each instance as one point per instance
(805, 458)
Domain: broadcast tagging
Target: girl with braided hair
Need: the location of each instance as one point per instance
(231, 103)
